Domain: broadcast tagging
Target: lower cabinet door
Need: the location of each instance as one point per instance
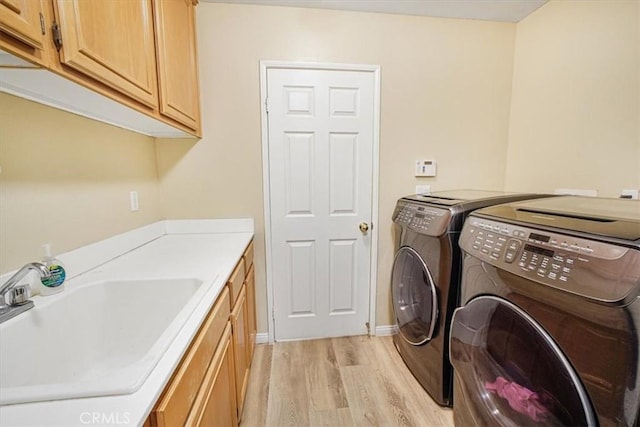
(175, 407)
(251, 312)
(216, 402)
(240, 342)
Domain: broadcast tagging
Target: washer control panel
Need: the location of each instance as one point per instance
(558, 260)
(422, 218)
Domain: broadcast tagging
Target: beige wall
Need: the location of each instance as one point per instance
(65, 180)
(445, 95)
(575, 113)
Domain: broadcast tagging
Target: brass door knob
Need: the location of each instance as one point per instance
(364, 227)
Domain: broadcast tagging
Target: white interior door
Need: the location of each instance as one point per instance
(320, 149)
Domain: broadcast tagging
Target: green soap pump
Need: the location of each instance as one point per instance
(55, 282)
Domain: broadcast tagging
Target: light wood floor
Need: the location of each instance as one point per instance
(353, 381)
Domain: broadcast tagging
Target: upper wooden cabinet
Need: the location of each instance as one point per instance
(24, 20)
(131, 63)
(112, 42)
(23, 31)
(177, 52)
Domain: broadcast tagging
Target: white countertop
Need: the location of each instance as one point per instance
(209, 257)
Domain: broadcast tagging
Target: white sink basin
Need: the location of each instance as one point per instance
(99, 339)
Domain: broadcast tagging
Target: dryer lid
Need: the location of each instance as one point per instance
(617, 218)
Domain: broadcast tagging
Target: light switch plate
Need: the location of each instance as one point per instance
(425, 168)
(133, 201)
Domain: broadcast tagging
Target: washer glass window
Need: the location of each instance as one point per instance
(414, 297)
(512, 370)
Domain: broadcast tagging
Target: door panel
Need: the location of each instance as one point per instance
(342, 286)
(343, 151)
(301, 284)
(299, 179)
(320, 166)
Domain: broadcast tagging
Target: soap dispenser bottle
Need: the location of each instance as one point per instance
(55, 282)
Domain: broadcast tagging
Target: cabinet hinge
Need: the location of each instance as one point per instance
(42, 27)
(57, 36)
(266, 105)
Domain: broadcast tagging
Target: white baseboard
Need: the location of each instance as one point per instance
(382, 331)
(262, 338)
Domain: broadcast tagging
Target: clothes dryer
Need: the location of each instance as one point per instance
(548, 329)
(425, 278)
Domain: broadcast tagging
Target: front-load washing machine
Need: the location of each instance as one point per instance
(425, 278)
(547, 333)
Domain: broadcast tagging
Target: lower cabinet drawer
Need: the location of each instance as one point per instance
(235, 283)
(174, 406)
(248, 258)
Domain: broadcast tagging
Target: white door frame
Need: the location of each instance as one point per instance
(375, 69)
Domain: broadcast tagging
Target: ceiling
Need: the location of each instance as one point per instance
(488, 10)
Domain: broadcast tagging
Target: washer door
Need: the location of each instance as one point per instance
(510, 370)
(415, 301)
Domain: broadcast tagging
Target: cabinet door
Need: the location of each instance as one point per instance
(177, 61)
(251, 313)
(219, 394)
(240, 341)
(174, 407)
(111, 42)
(22, 20)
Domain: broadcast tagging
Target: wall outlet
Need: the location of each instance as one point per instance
(133, 201)
(629, 194)
(576, 192)
(425, 168)
(423, 189)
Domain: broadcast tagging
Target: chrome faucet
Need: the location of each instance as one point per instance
(19, 295)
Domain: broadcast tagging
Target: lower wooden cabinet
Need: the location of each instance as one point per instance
(250, 284)
(240, 347)
(216, 404)
(209, 386)
(176, 406)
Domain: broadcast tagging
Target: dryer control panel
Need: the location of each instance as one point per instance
(598, 270)
(422, 218)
